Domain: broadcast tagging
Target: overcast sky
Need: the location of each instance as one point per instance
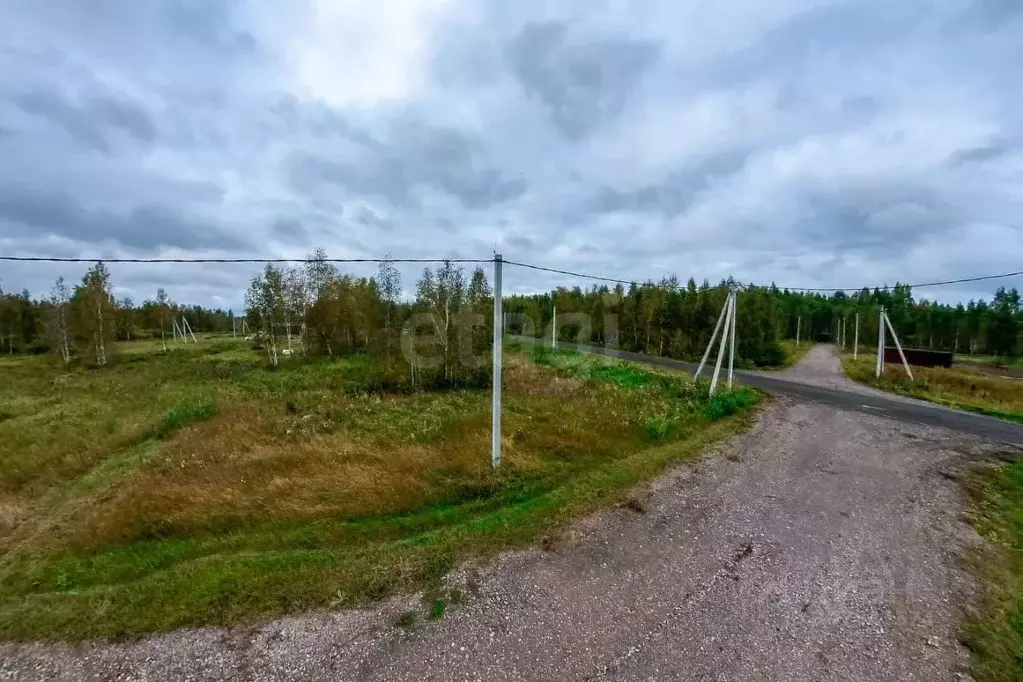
(806, 142)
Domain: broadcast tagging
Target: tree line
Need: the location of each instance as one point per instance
(671, 319)
(436, 339)
(441, 335)
(84, 321)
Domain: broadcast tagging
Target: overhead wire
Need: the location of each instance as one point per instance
(49, 259)
(531, 266)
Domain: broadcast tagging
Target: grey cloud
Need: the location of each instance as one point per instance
(583, 82)
(127, 116)
(368, 218)
(676, 192)
(861, 109)
(28, 212)
(520, 242)
(415, 155)
(994, 14)
(50, 106)
(92, 120)
(996, 149)
(288, 228)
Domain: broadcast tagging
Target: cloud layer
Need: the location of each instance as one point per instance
(810, 143)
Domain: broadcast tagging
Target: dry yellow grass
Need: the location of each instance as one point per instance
(181, 488)
(961, 387)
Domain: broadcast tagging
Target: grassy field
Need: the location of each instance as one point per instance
(994, 361)
(196, 486)
(960, 387)
(995, 634)
(794, 353)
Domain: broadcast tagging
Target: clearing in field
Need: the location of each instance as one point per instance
(198, 486)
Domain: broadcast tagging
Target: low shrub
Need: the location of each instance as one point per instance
(727, 404)
(656, 428)
(189, 411)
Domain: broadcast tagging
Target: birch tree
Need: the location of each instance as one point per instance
(94, 314)
(389, 283)
(58, 324)
(264, 303)
(163, 309)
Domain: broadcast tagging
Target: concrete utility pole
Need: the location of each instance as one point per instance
(879, 365)
(731, 353)
(495, 445)
(799, 322)
(856, 337)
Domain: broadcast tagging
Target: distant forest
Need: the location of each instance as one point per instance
(332, 313)
(676, 320)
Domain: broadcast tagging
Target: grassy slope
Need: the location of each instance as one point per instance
(995, 635)
(956, 387)
(794, 353)
(198, 487)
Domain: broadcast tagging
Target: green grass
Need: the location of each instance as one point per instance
(995, 635)
(1014, 363)
(794, 353)
(198, 487)
(958, 387)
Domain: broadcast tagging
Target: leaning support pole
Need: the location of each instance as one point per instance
(495, 444)
(188, 327)
(799, 322)
(717, 328)
(729, 307)
(731, 352)
(898, 345)
(879, 365)
(856, 337)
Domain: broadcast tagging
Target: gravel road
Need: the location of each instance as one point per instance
(824, 544)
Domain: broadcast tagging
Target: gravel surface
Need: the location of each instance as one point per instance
(822, 367)
(822, 545)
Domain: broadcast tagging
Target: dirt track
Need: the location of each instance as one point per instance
(822, 545)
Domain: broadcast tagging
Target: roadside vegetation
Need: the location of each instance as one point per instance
(992, 361)
(960, 386)
(793, 353)
(201, 485)
(995, 634)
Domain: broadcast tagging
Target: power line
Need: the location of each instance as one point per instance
(581, 275)
(914, 286)
(807, 289)
(48, 259)
(571, 274)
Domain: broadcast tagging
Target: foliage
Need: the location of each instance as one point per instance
(94, 315)
(188, 411)
(727, 404)
(677, 321)
(995, 634)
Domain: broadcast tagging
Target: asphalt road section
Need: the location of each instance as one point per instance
(826, 388)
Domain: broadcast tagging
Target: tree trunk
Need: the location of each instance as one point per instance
(101, 350)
